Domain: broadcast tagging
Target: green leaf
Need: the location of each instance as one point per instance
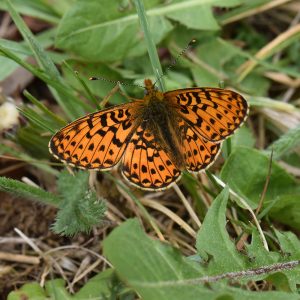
(215, 59)
(196, 14)
(286, 143)
(21, 189)
(243, 137)
(200, 17)
(103, 286)
(106, 35)
(79, 209)
(287, 209)
(146, 264)
(111, 34)
(99, 88)
(290, 245)
(255, 84)
(213, 239)
(28, 291)
(158, 271)
(258, 255)
(246, 171)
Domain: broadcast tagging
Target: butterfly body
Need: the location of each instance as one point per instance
(162, 121)
(156, 138)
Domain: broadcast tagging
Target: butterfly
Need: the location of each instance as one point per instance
(154, 138)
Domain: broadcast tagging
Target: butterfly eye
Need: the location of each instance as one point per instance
(146, 92)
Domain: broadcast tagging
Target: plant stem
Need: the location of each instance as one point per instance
(150, 44)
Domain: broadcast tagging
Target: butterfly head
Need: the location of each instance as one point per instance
(151, 91)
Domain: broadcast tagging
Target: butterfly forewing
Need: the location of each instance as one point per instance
(96, 141)
(146, 164)
(214, 113)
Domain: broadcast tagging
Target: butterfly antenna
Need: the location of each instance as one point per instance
(116, 81)
(174, 61)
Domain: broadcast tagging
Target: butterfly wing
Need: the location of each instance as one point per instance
(214, 113)
(96, 141)
(199, 153)
(145, 164)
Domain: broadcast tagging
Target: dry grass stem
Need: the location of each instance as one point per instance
(255, 11)
(267, 50)
(157, 206)
(26, 259)
(187, 205)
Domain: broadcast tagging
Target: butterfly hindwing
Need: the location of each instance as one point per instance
(199, 153)
(96, 141)
(145, 164)
(214, 113)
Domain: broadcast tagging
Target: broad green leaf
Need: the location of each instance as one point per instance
(287, 209)
(204, 77)
(213, 240)
(158, 271)
(111, 34)
(290, 245)
(216, 58)
(243, 137)
(56, 289)
(28, 291)
(96, 34)
(246, 170)
(200, 18)
(258, 255)
(255, 84)
(216, 52)
(197, 14)
(103, 286)
(146, 264)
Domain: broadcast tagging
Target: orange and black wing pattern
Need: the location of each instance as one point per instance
(96, 141)
(214, 113)
(145, 164)
(199, 153)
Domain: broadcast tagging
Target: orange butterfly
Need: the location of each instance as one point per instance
(157, 137)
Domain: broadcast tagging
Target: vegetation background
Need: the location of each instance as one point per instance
(229, 233)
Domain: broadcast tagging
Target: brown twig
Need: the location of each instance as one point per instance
(19, 258)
